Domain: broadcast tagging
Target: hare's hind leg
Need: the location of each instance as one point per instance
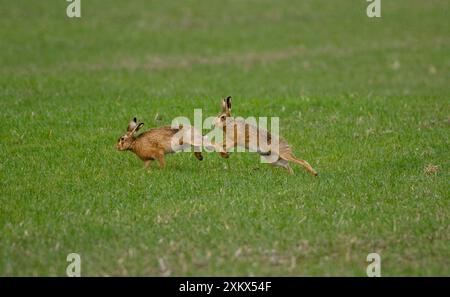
(282, 163)
(290, 157)
(160, 158)
(162, 162)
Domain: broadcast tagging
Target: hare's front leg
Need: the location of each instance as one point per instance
(198, 155)
(226, 146)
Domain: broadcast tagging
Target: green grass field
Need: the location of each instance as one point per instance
(364, 100)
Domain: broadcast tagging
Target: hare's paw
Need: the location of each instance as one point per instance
(224, 155)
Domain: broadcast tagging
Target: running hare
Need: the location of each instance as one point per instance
(250, 136)
(155, 143)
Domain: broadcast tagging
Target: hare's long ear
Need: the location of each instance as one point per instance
(137, 127)
(132, 125)
(228, 101)
(224, 105)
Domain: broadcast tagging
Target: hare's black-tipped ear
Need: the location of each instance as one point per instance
(224, 105)
(139, 127)
(136, 128)
(228, 101)
(135, 120)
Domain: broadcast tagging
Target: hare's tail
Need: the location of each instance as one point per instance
(290, 157)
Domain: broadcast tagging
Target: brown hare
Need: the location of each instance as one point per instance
(250, 137)
(155, 143)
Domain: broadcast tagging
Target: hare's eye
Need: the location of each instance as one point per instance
(223, 118)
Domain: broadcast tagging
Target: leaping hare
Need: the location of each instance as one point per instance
(155, 143)
(282, 153)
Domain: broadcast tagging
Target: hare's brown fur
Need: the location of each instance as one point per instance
(283, 150)
(151, 145)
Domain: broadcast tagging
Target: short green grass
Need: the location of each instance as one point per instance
(365, 101)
